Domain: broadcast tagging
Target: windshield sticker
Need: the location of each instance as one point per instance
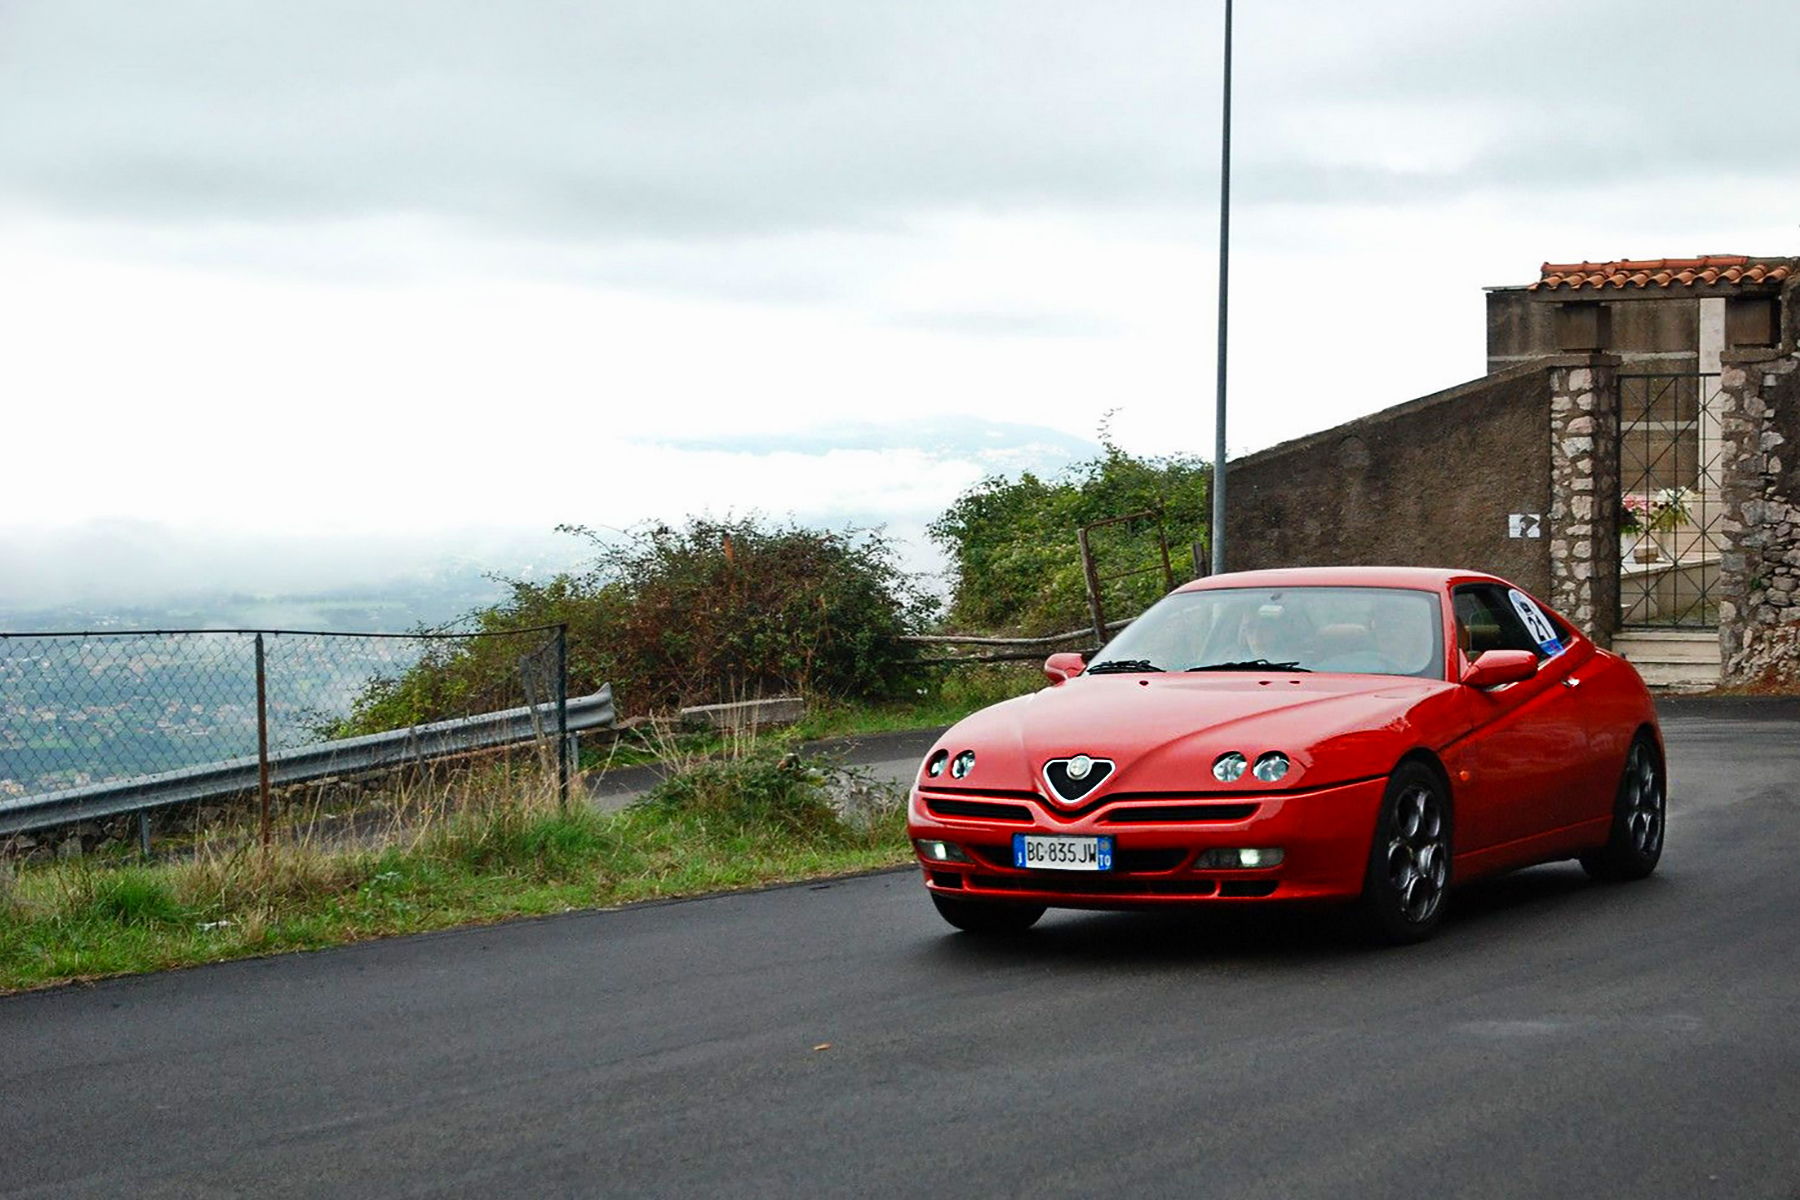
(1536, 623)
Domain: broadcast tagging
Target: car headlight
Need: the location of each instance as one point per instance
(934, 766)
(962, 764)
(1229, 767)
(1271, 767)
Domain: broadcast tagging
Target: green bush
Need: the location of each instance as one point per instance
(709, 612)
(763, 789)
(1013, 548)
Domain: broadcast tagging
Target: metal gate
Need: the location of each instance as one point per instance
(1670, 463)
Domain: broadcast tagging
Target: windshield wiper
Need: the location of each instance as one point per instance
(1121, 666)
(1253, 664)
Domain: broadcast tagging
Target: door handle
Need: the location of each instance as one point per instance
(1569, 681)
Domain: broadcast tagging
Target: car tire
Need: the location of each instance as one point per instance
(987, 918)
(1640, 808)
(1408, 876)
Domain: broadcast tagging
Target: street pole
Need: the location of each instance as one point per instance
(1218, 472)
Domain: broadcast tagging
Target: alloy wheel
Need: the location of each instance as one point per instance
(1644, 800)
(1418, 854)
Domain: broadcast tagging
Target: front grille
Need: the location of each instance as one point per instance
(1248, 888)
(994, 856)
(1093, 885)
(1130, 861)
(1198, 800)
(945, 789)
(1130, 814)
(939, 806)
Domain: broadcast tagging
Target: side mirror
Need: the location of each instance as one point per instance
(1501, 666)
(1063, 666)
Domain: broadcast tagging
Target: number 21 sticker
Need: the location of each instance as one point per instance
(1536, 623)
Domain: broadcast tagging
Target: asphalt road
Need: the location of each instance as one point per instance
(1559, 1038)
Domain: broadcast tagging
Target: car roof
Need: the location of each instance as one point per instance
(1422, 578)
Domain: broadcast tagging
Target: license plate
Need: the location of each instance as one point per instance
(1048, 853)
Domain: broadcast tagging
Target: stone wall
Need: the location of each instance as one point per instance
(1584, 509)
(1431, 482)
(1759, 572)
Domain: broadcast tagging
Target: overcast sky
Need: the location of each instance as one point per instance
(334, 269)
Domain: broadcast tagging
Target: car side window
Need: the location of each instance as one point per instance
(1486, 619)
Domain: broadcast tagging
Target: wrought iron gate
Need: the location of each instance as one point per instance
(1670, 462)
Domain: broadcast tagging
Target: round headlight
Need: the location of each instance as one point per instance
(934, 766)
(962, 764)
(1271, 766)
(1229, 767)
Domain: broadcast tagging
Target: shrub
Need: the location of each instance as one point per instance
(761, 789)
(1013, 548)
(712, 611)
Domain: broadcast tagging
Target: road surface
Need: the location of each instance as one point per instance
(1559, 1038)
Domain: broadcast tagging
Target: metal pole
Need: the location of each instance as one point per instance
(143, 831)
(562, 715)
(1218, 474)
(262, 741)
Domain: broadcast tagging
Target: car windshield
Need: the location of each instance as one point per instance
(1351, 630)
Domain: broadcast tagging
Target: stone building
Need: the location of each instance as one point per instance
(1631, 456)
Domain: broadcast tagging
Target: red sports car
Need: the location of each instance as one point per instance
(1362, 734)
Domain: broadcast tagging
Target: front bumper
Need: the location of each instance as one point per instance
(1324, 834)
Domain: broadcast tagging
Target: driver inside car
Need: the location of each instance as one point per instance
(1272, 632)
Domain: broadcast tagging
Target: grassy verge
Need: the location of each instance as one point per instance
(481, 850)
(953, 695)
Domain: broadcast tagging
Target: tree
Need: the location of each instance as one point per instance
(1012, 541)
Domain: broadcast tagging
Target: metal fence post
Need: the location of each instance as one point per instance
(262, 742)
(562, 715)
(143, 830)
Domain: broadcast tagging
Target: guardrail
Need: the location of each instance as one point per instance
(348, 756)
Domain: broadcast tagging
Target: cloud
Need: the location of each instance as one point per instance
(122, 561)
(682, 120)
(1008, 324)
(381, 268)
(993, 445)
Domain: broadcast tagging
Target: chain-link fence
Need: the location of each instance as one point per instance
(105, 723)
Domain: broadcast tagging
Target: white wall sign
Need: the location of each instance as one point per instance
(1525, 525)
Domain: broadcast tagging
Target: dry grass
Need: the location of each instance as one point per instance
(478, 843)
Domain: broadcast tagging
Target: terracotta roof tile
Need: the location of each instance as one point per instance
(1666, 272)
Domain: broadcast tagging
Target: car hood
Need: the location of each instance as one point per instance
(1163, 731)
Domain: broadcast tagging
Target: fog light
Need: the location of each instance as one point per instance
(1271, 766)
(1227, 860)
(942, 851)
(1229, 767)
